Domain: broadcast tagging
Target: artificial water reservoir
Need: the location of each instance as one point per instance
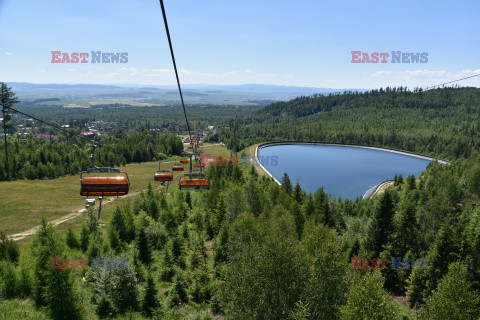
(343, 171)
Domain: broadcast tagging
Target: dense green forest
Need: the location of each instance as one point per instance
(250, 249)
(32, 159)
(444, 122)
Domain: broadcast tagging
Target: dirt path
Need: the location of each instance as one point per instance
(68, 217)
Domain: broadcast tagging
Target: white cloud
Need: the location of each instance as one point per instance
(273, 75)
(194, 73)
(421, 73)
(378, 74)
(72, 70)
(9, 53)
(133, 71)
(229, 73)
(407, 74)
(162, 70)
(113, 74)
(41, 70)
(467, 73)
(248, 71)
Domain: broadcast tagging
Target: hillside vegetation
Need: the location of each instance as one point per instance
(440, 123)
(251, 249)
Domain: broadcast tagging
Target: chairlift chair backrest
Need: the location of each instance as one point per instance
(194, 181)
(104, 186)
(177, 167)
(163, 176)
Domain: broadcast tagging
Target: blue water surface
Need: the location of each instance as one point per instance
(343, 171)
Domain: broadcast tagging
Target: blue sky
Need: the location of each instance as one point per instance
(301, 43)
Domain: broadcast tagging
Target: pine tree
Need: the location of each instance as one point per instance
(114, 238)
(322, 208)
(381, 227)
(84, 238)
(178, 293)
(188, 199)
(406, 231)
(354, 249)
(298, 193)
(53, 287)
(105, 308)
(72, 240)
(150, 301)
(453, 299)
(366, 298)
(220, 248)
(9, 249)
(252, 198)
(308, 207)
(416, 287)
(286, 184)
(143, 247)
(153, 209)
(7, 100)
(474, 180)
(297, 213)
(411, 183)
(443, 251)
(118, 222)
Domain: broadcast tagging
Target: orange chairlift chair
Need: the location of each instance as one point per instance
(177, 167)
(162, 175)
(103, 186)
(194, 181)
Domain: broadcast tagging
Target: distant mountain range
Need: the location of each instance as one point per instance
(252, 94)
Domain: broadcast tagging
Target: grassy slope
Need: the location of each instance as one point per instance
(24, 202)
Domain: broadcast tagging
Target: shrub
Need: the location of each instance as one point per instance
(72, 240)
(8, 280)
(453, 298)
(8, 249)
(178, 292)
(118, 285)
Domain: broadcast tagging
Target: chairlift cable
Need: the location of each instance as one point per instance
(175, 66)
(442, 84)
(49, 124)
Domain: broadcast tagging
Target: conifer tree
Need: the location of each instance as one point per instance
(143, 247)
(298, 192)
(7, 100)
(381, 227)
(453, 299)
(308, 207)
(188, 199)
(366, 298)
(286, 184)
(150, 301)
(322, 208)
(406, 231)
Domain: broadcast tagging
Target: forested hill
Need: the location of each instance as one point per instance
(462, 99)
(442, 122)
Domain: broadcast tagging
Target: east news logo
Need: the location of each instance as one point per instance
(396, 57)
(96, 57)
